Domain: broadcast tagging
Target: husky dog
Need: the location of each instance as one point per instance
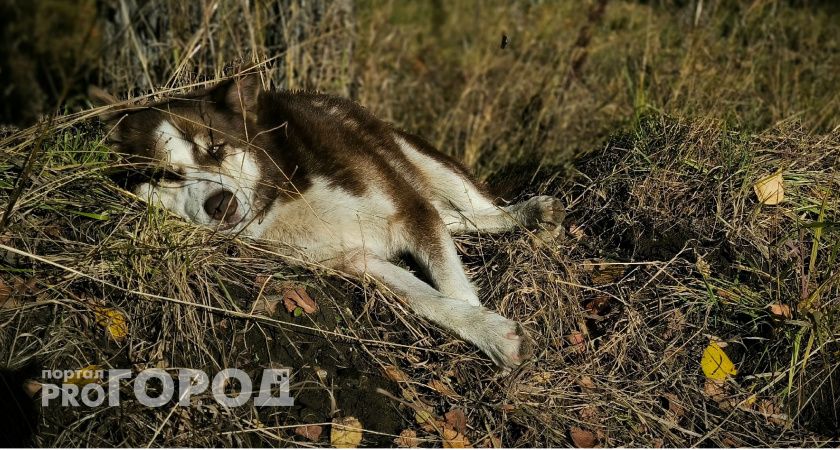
(323, 176)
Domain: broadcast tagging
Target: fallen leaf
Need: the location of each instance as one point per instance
(5, 291)
(773, 412)
(599, 306)
(589, 413)
(730, 442)
(770, 190)
(407, 439)
(577, 342)
(716, 365)
(453, 439)
(456, 419)
(586, 382)
(395, 374)
(346, 433)
(426, 420)
(674, 405)
(311, 432)
(113, 321)
(443, 389)
(715, 390)
(780, 311)
(85, 375)
(583, 438)
(297, 297)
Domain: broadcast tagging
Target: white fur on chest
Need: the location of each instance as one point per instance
(329, 222)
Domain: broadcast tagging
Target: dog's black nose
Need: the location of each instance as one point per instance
(221, 205)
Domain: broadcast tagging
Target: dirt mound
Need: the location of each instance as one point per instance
(667, 252)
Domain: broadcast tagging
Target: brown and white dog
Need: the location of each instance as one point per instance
(322, 177)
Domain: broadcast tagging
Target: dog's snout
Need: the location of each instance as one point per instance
(221, 205)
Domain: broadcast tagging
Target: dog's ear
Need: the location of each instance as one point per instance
(100, 98)
(241, 92)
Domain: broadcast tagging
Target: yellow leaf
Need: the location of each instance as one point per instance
(770, 190)
(85, 375)
(113, 321)
(716, 365)
(346, 433)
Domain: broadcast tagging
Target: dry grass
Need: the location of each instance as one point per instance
(667, 246)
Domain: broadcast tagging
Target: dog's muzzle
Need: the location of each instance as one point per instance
(221, 206)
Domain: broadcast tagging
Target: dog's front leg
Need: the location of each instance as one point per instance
(501, 339)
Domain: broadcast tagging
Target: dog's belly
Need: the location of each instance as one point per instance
(327, 224)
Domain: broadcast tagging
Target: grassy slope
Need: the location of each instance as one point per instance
(678, 114)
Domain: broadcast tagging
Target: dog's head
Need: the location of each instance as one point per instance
(200, 155)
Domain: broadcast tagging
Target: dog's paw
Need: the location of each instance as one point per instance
(503, 340)
(547, 211)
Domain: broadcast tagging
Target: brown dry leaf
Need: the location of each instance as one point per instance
(407, 439)
(773, 412)
(781, 311)
(8, 297)
(577, 342)
(589, 413)
(297, 297)
(443, 389)
(261, 280)
(583, 438)
(599, 306)
(456, 419)
(395, 374)
(770, 190)
(730, 442)
(715, 390)
(453, 439)
(5, 291)
(674, 405)
(586, 382)
(346, 432)
(311, 432)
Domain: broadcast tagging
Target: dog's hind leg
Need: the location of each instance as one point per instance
(499, 338)
(463, 206)
(431, 246)
(538, 211)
